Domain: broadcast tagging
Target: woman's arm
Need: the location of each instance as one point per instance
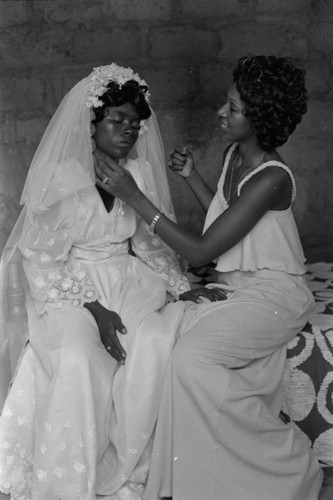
(260, 194)
(182, 163)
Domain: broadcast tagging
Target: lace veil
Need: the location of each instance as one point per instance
(62, 165)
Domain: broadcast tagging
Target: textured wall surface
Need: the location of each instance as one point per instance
(185, 50)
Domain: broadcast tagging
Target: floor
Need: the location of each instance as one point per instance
(325, 494)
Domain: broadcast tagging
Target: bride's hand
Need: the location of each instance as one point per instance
(109, 324)
(114, 179)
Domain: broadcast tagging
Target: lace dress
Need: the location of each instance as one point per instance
(76, 424)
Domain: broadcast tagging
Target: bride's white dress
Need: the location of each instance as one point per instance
(76, 424)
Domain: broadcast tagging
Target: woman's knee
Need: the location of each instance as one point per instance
(187, 354)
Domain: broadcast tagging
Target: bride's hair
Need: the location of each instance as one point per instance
(117, 95)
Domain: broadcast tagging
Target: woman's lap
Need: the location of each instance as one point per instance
(222, 395)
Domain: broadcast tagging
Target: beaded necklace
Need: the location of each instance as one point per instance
(235, 160)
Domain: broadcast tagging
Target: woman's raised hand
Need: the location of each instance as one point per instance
(181, 162)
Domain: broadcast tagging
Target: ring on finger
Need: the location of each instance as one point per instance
(105, 180)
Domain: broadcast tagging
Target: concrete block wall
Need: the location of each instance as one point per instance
(185, 50)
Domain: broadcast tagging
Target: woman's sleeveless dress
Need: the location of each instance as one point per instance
(219, 435)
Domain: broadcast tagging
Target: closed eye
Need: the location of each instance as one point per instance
(136, 125)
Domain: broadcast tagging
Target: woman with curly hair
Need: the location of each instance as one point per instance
(219, 435)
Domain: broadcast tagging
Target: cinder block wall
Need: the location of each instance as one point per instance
(185, 49)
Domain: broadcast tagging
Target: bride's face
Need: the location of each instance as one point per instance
(117, 133)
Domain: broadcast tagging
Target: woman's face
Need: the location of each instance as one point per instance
(117, 133)
(235, 126)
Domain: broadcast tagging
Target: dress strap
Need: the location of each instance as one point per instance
(225, 167)
(269, 164)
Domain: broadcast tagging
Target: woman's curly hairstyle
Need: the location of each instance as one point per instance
(130, 92)
(273, 91)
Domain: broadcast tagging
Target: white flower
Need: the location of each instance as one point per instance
(161, 261)
(143, 127)
(22, 420)
(60, 471)
(103, 75)
(143, 245)
(155, 242)
(80, 275)
(54, 275)
(41, 474)
(40, 282)
(47, 426)
(43, 448)
(66, 283)
(44, 257)
(7, 412)
(79, 468)
(53, 293)
(6, 445)
(27, 252)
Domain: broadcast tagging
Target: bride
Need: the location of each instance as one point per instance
(97, 317)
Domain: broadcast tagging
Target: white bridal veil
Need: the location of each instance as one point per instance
(63, 165)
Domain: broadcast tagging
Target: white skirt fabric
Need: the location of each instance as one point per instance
(76, 424)
(219, 435)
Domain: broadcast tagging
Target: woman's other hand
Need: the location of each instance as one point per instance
(181, 162)
(109, 324)
(198, 294)
(113, 178)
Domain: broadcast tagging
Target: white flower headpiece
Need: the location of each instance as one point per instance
(103, 75)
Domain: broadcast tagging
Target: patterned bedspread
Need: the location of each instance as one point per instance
(308, 380)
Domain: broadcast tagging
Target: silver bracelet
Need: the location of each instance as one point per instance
(154, 221)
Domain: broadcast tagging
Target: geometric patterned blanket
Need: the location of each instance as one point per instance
(308, 379)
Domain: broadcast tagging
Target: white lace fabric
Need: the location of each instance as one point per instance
(159, 257)
(54, 277)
